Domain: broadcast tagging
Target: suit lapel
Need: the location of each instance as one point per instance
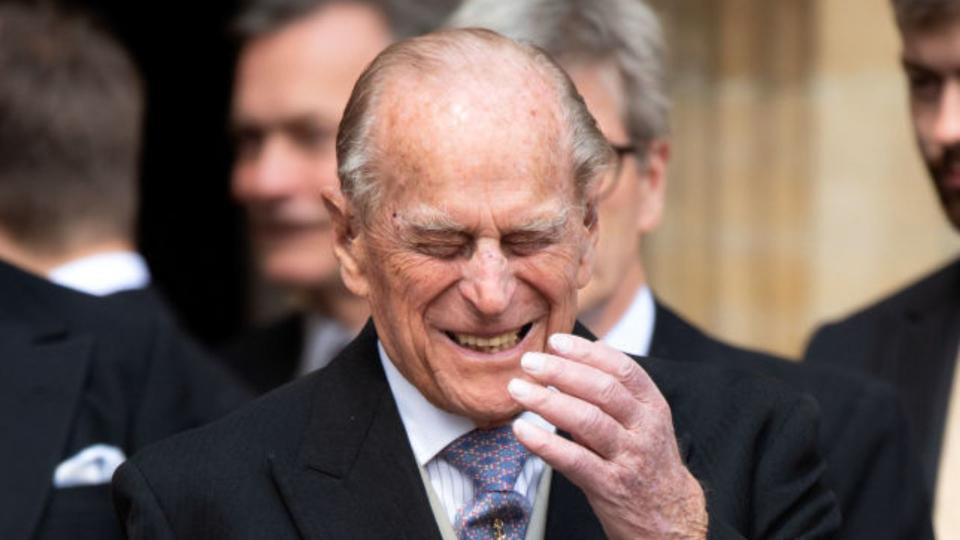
(41, 377)
(921, 354)
(355, 475)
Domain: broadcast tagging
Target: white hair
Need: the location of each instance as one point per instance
(437, 55)
(589, 32)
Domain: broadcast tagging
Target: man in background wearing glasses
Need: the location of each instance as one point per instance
(613, 51)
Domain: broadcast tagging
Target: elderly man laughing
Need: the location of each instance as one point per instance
(467, 409)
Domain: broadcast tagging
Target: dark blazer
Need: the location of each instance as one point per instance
(910, 340)
(863, 434)
(76, 370)
(326, 457)
(268, 356)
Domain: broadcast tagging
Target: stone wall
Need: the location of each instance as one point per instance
(795, 191)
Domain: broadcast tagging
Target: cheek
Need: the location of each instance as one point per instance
(553, 275)
(413, 280)
(924, 122)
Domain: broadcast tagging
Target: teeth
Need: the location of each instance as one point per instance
(488, 345)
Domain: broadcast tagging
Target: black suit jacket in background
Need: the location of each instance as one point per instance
(910, 340)
(863, 435)
(268, 356)
(77, 370)
(326, 457)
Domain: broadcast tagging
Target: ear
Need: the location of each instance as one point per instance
(591, 225)
(348, 245)
(653, 186)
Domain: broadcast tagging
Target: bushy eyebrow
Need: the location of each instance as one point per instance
(427, 220)
(430, 220)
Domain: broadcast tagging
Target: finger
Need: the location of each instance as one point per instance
(607, 359)
(587, 383)
(586, 422)
(579, 465)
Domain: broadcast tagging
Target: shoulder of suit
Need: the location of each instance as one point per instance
(270, 424)
(691, 388)
(275, 335)
(835, 389)
(926, 293)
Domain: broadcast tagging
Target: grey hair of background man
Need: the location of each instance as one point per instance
(925, 14)
(580, 33)
(446, 52)
(406, 18)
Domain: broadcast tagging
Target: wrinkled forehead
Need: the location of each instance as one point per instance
(479, 122)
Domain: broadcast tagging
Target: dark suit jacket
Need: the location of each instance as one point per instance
(910, 340)
(76, 370)
(269, 356)
(327, 457)
(863, 434)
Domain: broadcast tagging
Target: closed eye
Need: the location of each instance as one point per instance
(526, 244)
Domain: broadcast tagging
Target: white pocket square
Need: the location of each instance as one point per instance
(91, 466)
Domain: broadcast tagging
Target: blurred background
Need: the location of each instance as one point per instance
(795, 192)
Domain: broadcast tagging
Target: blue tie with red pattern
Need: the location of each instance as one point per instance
(492, 459)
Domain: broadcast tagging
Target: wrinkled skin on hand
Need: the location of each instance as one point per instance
(624, 455)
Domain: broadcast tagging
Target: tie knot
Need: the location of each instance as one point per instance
(492, 458)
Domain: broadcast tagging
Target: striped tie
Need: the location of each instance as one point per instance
(492, 459)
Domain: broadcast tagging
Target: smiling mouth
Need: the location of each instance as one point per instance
(490, 344)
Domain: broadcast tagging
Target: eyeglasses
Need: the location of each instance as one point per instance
(609, 182)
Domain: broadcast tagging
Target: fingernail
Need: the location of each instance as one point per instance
(522, 428)
(561, 343)
(519, 388)
(533, 362)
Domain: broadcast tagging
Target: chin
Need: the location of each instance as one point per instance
(488, 409)
(497, 416)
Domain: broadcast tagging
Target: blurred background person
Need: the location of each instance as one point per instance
(792, 175)
(614, 52)
(298, 62)
(84, 380)
(911, 337)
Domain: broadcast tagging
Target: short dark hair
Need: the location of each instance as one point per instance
(405, 18)
(70, 126)
(923, 14)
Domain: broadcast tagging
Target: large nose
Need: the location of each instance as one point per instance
(271, 173)
(947, 128)
(488, 282)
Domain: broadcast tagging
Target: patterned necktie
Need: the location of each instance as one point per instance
(492, 459)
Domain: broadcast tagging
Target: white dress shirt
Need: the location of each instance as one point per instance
(634, 331)
(430, 430)
(946, 512)
(103, 274)
(323, 339)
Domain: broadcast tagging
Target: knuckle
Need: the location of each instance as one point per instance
(579, 464)
(592, 419)
(608, 389)
(661, 410)
(626, 368)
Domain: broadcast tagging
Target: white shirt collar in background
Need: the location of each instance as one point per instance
(634, 331)
(323, 339)
(103, 274)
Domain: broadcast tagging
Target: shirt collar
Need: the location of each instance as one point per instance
(634, 331)
(103, 273)
(429, 428)
(323, 339)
